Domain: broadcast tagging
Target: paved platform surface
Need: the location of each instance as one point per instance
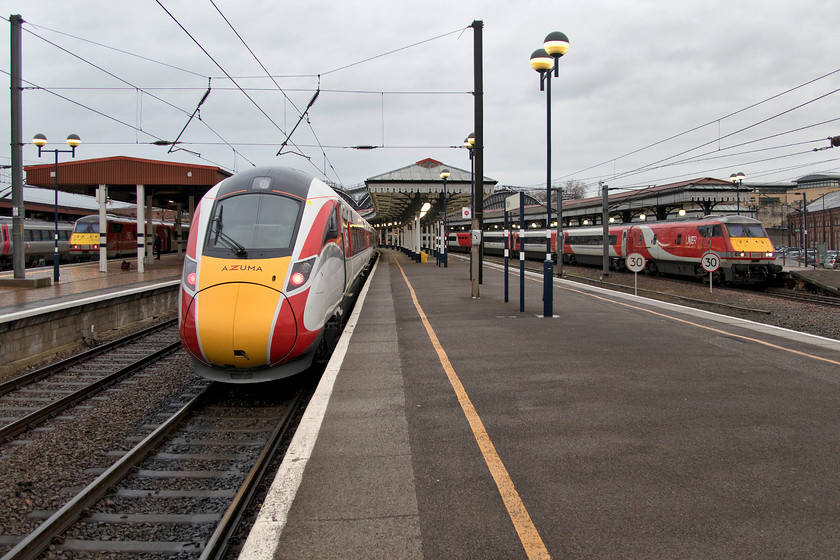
(77, 280)
(621, 428)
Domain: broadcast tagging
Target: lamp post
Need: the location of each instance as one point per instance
(73, 141)
(556, 44)
(469, 144)
(445, 175)
(737, 179)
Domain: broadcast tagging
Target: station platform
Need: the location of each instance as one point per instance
(452, 427)
(86, 306)
(77, 281)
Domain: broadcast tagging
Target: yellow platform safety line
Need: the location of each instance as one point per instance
(528, 534)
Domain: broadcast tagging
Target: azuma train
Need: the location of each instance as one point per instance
(746, 254)
(274, 258)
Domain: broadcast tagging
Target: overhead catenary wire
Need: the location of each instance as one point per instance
(219, 66)
(743, 129)
(233, 79)
(302, 114)
(119, 78)
(104, 46)
(106, 116)
(711, 122)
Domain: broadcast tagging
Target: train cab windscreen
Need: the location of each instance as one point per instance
(745, 230)
(253, 226)
(83, 226)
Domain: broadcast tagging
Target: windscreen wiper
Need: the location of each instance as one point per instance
(227, 240)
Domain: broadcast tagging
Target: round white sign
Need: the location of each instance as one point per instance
(710, 262)
(635, 262)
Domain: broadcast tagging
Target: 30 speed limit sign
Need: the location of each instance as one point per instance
(710, 262)
(635, 262)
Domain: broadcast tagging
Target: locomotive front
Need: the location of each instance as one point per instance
(256, 274)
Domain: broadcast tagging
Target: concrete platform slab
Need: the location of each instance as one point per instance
(626, 428)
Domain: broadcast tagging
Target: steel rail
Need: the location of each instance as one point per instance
(807, 298)
(217, 545)
(39, 540)
(46, 371)
(23, 424)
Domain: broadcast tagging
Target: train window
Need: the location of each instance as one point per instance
(745, 230)
(86, 227)
(679, 239)
(113, 227)
(717, 231)
(265, 223)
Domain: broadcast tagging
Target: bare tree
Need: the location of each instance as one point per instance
(573, 189)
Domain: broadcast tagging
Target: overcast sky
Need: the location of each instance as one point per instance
(644, 85)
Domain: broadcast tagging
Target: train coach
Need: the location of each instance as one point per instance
(121, 237)
(273, 261)
(747, 255)
(38, 240)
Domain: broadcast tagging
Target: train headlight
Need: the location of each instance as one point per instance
(300, 273)
(190, 276)
(770, 255)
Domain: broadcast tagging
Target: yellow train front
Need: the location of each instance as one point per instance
(272, 258)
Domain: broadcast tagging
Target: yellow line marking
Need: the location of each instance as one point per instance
(528, 534)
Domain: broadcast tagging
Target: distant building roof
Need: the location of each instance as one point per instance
(827, 201)
(821, 179)
(425, 170)
(399, 195)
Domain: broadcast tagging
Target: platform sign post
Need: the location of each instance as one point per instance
(506, 236)
(521, 252)
(710, 263)
(635, 263)
(511, 204)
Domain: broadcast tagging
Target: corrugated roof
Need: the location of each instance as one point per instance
(164, 180)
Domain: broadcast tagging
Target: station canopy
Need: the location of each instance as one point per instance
(168, 183)
(398, 196)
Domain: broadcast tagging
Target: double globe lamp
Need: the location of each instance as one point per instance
(73, 141)
(543, 60)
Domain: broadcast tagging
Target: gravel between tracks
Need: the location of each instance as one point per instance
(46, 472)
(812, 318)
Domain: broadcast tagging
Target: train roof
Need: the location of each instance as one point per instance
(34, 222)
(283, 180)
(111, 217)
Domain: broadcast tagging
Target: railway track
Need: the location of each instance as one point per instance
(804, 297)
(181, 490)
(588, 275)
(31, 398)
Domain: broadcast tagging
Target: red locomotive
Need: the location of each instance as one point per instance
(746, 253)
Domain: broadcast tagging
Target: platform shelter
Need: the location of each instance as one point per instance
(146, 183)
